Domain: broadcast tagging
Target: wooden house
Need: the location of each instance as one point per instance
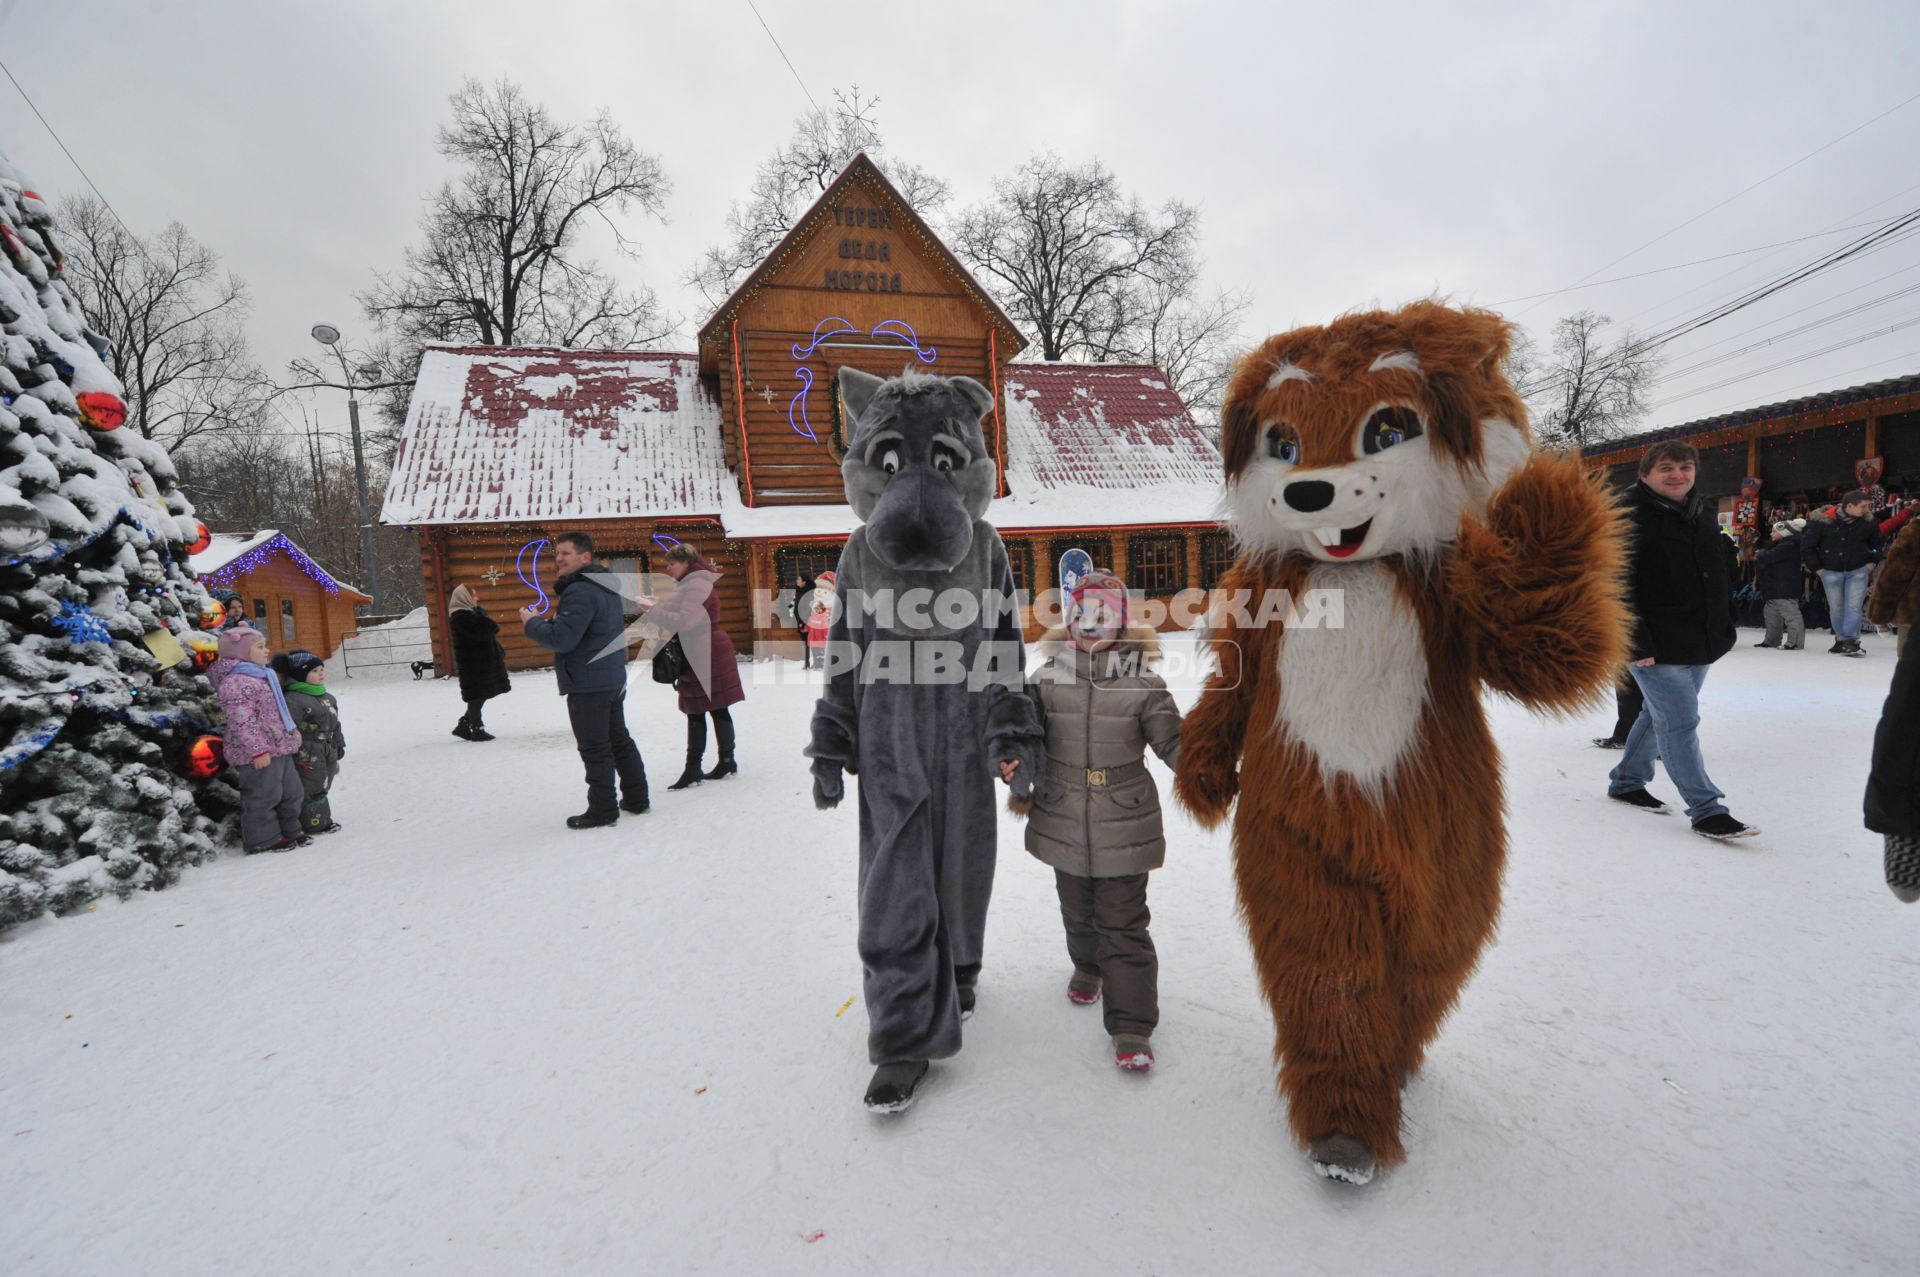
(736, 446)
(288, 597)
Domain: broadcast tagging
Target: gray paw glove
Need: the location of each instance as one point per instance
(829, 787)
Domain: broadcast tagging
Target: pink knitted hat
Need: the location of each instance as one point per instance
(237, 643)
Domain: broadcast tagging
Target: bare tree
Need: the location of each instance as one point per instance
(499, 262)
(1093, 275)
(298, 477)
(1591, 388)
(824, 142)
(172, 318)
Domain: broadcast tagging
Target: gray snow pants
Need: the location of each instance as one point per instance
(928, 821)
(1784, 614)
(270, 802)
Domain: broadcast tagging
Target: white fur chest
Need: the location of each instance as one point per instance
(1353, 692)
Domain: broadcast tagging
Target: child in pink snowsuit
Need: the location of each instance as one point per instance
(261, 743)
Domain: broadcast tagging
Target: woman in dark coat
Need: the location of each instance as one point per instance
(710, 681)
(478, 658)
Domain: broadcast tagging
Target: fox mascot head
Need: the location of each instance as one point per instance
(1370, 436)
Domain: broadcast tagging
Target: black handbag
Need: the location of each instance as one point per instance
(669, 662)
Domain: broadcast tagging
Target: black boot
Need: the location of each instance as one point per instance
(723, 738)
(463, 729)
(893, 1086)
(691, 776)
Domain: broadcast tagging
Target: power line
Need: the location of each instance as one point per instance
(1705, 284)
(1892, 230)
(1742, 191)
(1797, 359)
(784, 58)
(1702, 261)
(76, 163)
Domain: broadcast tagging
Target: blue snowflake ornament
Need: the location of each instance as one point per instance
(80, 625)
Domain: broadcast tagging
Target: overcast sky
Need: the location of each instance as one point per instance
(1340, 156)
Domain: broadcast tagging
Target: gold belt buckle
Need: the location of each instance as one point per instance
(1097, 776)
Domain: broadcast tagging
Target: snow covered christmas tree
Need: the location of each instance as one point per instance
(106, 767)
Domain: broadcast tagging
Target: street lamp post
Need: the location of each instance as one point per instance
(329, 336)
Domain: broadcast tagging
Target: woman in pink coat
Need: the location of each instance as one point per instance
(261, 743)
(710, 679)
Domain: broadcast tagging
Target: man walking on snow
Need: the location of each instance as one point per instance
(590, 660)
(1843, 552)
(1680, 583)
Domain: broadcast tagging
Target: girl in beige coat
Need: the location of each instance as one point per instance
(1095, 815)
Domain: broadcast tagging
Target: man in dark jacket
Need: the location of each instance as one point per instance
(1780, 588)
(1680, 583)
(1843, 552)
(590, 660)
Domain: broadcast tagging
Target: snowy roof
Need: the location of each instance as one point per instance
(228, 556)
(509, 435)
(1091, 444)
(525, 434)
(223, 548)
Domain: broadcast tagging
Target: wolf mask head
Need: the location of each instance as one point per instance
(917, 469)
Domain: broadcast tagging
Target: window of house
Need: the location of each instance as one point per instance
(1157, 564)
(286, 623)
(259, 611)
(1216, 556)
(793, 564)
(1020, 559)
(630, 569)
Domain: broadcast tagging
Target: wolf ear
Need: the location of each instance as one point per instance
(858, 389)
(976, 394)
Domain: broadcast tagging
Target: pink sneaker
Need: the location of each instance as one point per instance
(1133, 1054)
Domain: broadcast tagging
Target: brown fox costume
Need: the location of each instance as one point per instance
(1384, 458)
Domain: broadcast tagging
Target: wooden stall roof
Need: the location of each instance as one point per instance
(231, 555)
(862, 171)
(1888, 396)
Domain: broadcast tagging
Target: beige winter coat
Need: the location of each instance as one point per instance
(1102, 710)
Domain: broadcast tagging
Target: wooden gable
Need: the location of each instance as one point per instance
(860, 281)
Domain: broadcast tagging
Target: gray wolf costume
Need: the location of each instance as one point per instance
(924, 699)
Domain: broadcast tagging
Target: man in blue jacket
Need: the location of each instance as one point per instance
(590, 660)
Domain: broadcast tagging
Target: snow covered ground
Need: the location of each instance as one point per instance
(459, 1038)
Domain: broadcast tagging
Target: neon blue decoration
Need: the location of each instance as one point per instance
(664, 541)
(802, 427)
(532, 582)
(899, 328)
(797, 406)
(846, 326)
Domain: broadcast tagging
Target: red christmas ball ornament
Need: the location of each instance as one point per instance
(205, 652)
(213, 615)
(201, 538)
(15, 246)
(101, 410)
(205, 757)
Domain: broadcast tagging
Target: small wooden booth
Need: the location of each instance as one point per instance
(288, 597)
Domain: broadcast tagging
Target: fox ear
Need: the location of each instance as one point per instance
(858, 389)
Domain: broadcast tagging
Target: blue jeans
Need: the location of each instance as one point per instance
(1669, 726)
(1846, 600)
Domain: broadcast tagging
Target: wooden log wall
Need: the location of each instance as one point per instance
(451, 557)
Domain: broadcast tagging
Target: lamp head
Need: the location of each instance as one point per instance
(326, 334)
